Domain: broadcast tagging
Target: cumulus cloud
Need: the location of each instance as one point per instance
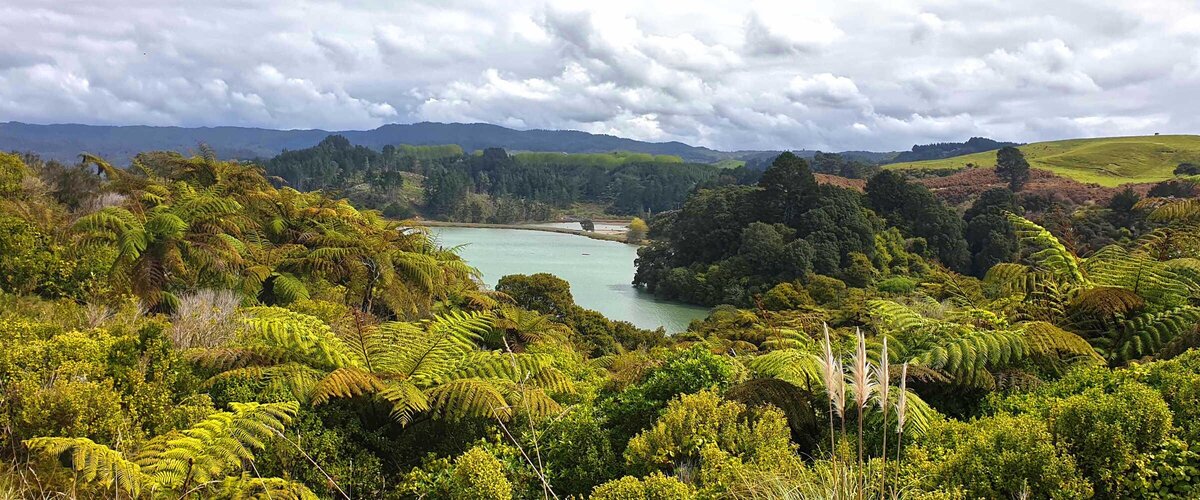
(857, 74)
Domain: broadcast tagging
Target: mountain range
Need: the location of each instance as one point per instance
(64, 142)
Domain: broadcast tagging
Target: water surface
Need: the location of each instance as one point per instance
(599, 272)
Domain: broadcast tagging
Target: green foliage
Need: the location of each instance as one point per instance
(541, 292)
(826, 290)
(683, 372)
(899, 285)
(12, 171)
(656, 486)
(995, 457)
(915, 210)
(732, 244)
(786, 296)
(694, 423)
(578, 452)
(177, 461)
(478, 475)
(551, 295)
(1113, 433)
(394, 351)
(1012, 167)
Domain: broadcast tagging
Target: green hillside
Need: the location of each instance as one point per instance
(1108, 161)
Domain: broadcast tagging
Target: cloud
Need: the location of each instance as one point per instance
(856, 74)
(775, 38)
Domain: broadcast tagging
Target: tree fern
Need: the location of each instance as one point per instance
(431, 366)
(1046, 252)
(195, 458)
(95, 462)
(800, 368)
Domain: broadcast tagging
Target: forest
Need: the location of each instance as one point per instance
(491, 185)
(192, 327)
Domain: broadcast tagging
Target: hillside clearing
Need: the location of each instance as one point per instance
(1109, 161)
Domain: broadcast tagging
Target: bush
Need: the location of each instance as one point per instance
(684, 372)
(653, 487)
(702, 428)
(859, 273)
(995, 457)
(578, 452)
(785, 296)
(479, 475)
(899, 285)
(826, 290)
(1111, 434)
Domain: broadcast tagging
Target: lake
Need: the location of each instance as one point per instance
(599, 272)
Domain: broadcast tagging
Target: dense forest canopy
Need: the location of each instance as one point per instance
(189, 327)
(491, 185)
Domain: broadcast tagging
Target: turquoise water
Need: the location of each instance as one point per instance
(599, 272)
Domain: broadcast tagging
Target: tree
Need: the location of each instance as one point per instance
(989, 234)
(202, 459)
(788, 188)
(541, 292)
(637, 230)
(1187, 168)
(917, 212)
(1012, 167)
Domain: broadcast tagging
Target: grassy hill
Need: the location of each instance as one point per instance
(1108, 161)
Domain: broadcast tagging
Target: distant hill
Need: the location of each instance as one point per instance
(1108, 161)
(937, 151)
(120, 143)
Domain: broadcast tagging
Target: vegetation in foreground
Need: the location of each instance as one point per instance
(1108, 161)
(185, 328)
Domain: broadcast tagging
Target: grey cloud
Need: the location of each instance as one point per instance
(857, 74)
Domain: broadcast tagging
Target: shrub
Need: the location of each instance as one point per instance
(653, 487)
(1111, 434)
(702, 428)
(684, 372)
(786, 296)
(860, 272)
(637, 231)
(826, 290)
(899, 285)
(479, 475)
(995, 457)
(578, 452)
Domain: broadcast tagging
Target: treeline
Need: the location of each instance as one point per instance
(491, 185)
(941, 150)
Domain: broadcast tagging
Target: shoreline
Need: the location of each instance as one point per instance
(619, 238)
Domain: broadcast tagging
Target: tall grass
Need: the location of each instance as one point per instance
(868, 382)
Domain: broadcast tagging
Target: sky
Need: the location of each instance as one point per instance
(797, 74)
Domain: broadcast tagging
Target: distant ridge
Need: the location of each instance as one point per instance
(119, 143)
(938, 151)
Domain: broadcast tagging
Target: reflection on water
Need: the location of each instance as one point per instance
(599, 272)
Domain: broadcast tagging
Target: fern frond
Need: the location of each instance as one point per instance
(1045, 339)
(800, 368)
(346, 382)
(469, 397)
(1047, 252)
(94, 462)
